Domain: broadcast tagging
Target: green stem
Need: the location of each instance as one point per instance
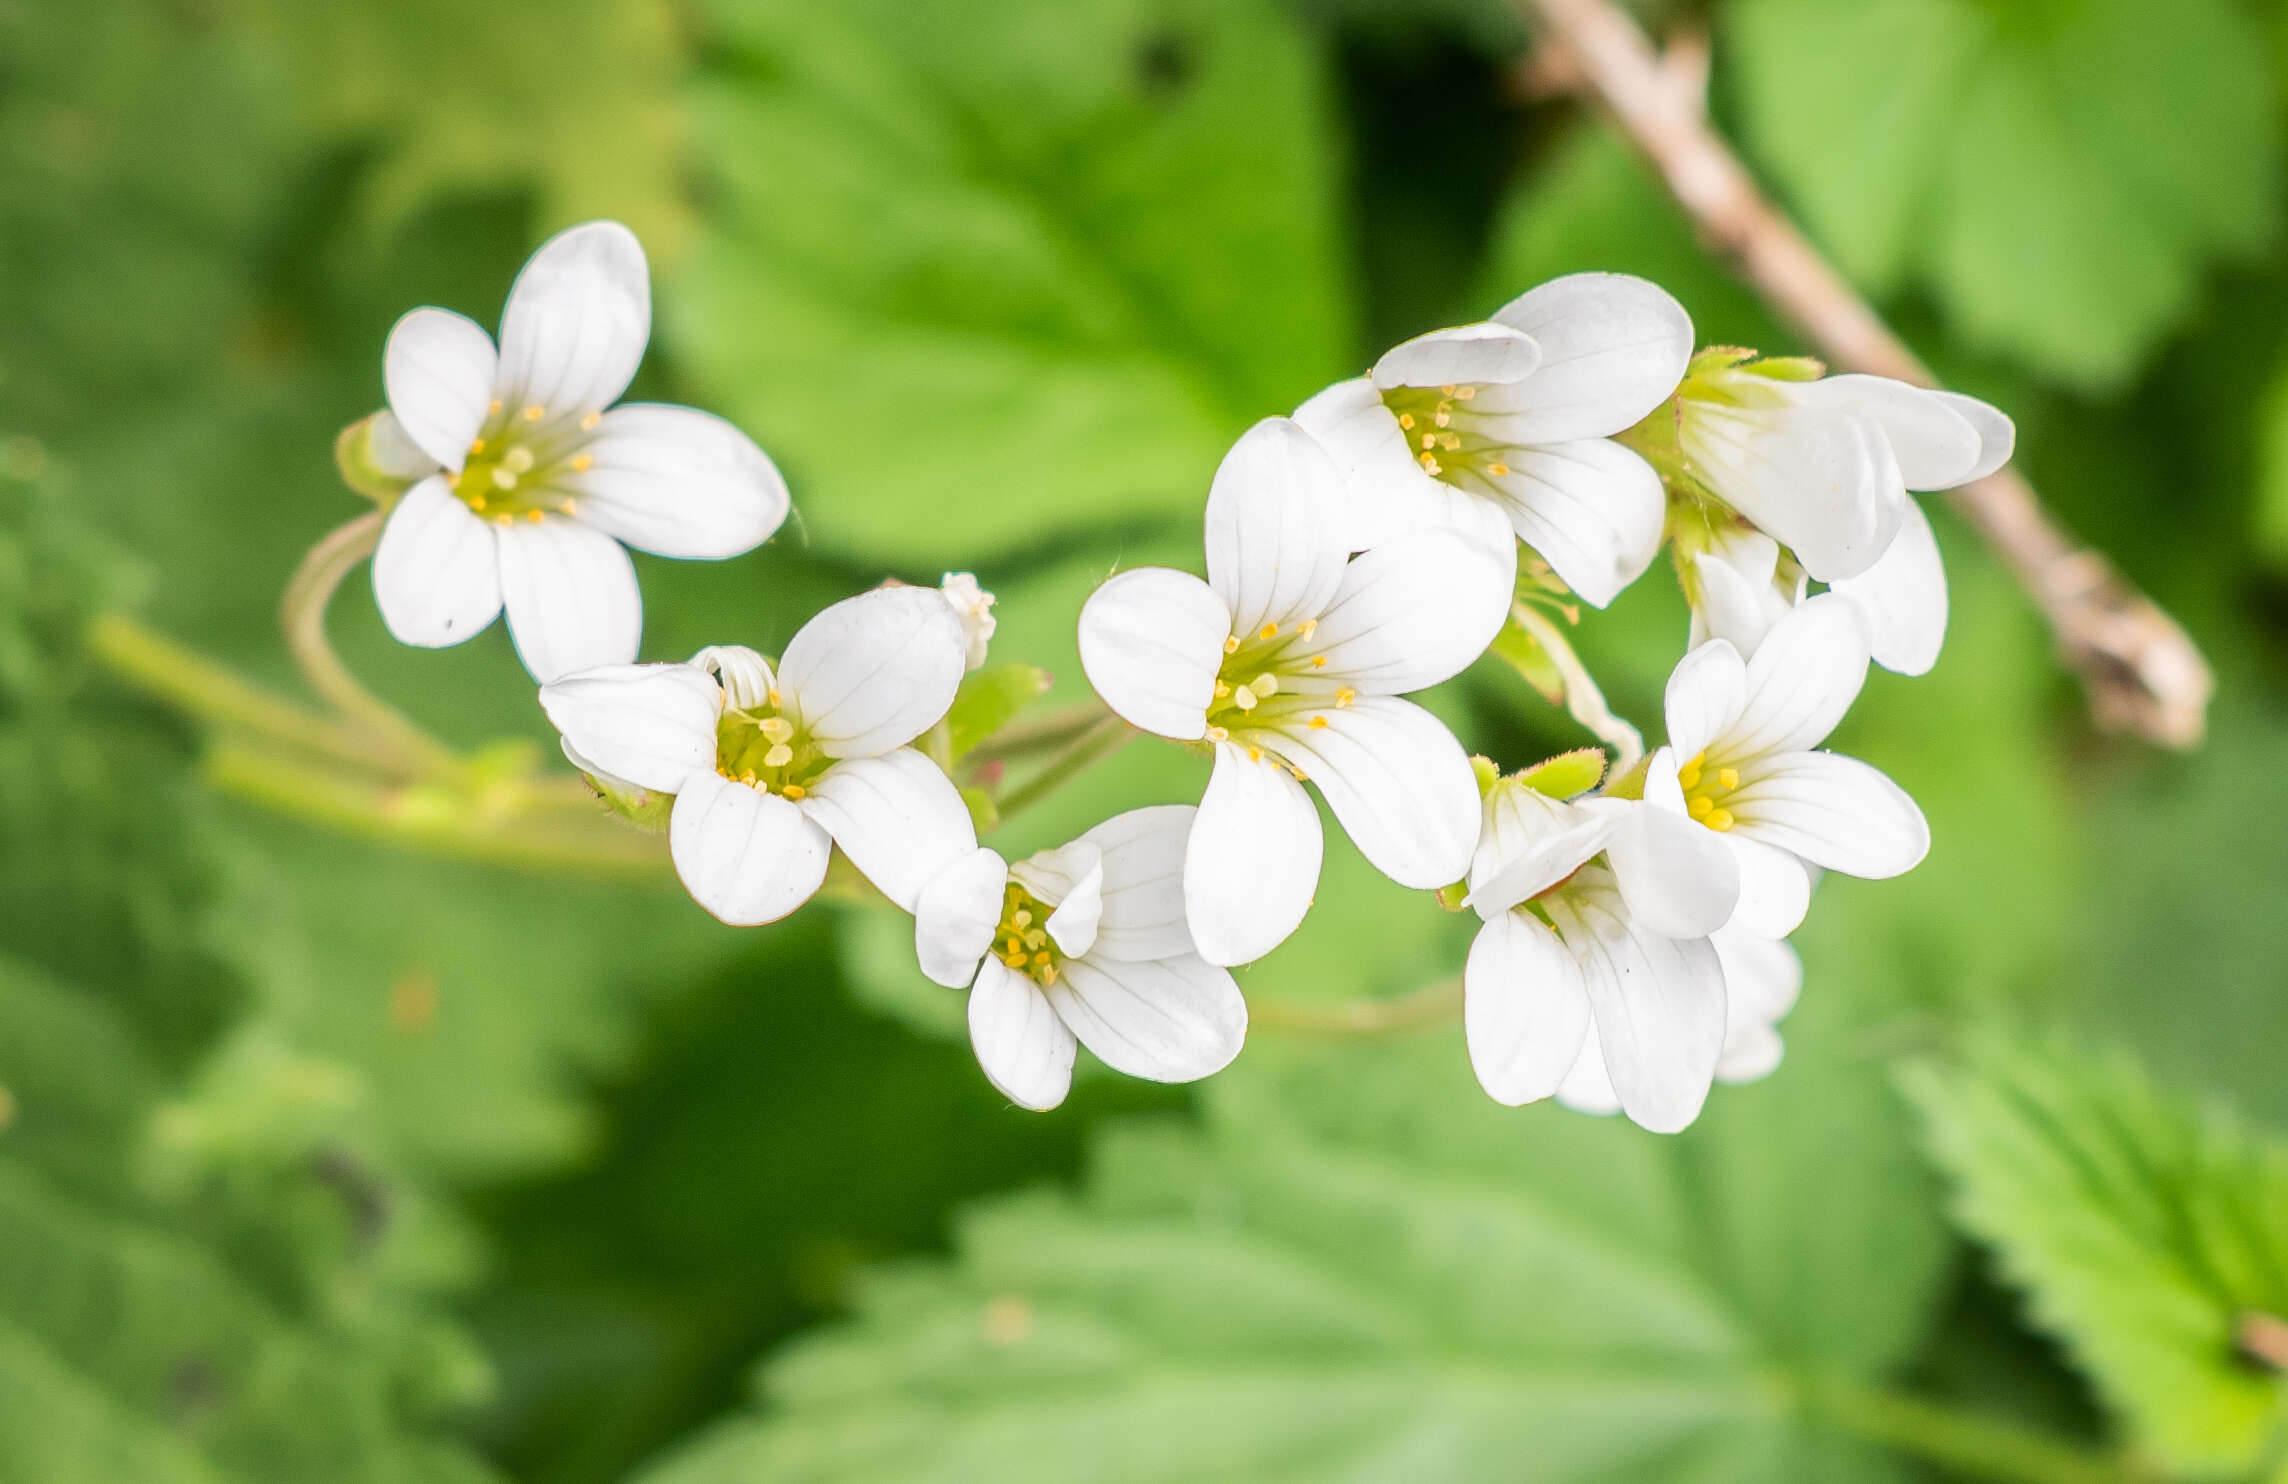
(302, 613)
(1432, 1004)
(1978, 1447)
(1101, 740)
(1032, 734)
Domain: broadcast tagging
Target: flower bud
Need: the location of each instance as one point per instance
(379, 460)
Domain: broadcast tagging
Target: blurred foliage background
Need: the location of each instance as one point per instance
(324, 1161)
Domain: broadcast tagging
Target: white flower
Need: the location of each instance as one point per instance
(1762, 979)
(1503, 427)
(1086, 942)
(1824, 465)
(532, 485)
(974, 607)
(1738, 583)
(770, 770)
(1739, 760)
(1290, 660)
(1575, 946)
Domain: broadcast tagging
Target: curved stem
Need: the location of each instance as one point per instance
(1965, 1443)
(1100, 740)
(1033, 734)
(302, 613)
(1432, 1004)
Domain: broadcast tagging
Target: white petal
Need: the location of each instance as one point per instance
(1025, 1049)
(1659, 1005)
(955, 915)
(1172, 1020)
(1737, 600)
(1384, 490)
(1935, 445)
(571, 596)
(1775, 890)
(1414, 612)
(1072, 925)
(1805, 675)
(746, 856)
(1274, 540)
(874, 672)
(1151, 641)
(677, 482)
(744, 675)
(438, 369)
(1530, 842)
(1704, 697)
(1143, 855)
(1677, 876)
(393, 450)
(1588, 1088)
(897, 816)
(1833, 811)
(576, 322)
(1903, 597)
(1591, 508)
(1524, 1009)
(653, 725)
(1823, 482)
(1997, 435)
(436, 573)
(1252, 860)
(1613, 348)
(1399, 783)
(1761, 982)
(1465, 354)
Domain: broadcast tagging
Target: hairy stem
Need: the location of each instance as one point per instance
(1432, 1004)
(1965, 1443)
(302, 613)
(2141, 671)
(1100, 740)
(1584, 701)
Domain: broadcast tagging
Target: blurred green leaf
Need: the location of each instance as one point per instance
(1362, 1268)
(981, 275)
(2272, 474)
(990, 699)
(2146, 1233)
(2059, 174)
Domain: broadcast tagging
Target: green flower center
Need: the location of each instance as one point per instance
(768, 751)
(1442, 434)
(1274, 677)
(1707, 790)
(513, 466)
(1022, 940)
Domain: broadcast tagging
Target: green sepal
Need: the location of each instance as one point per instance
(989, 699)
(1567, 775)
(381, 469)
(1486, 771)
(1716, 358)
(1787, 368)
(1528, 656)
(646, 808)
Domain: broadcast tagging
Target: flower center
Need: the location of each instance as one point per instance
(1442, 433)
(1272, 678)
(1022, 940)
(767, 751)
(513, 465)
(1706, 792)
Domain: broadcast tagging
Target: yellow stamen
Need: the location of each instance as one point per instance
(1344, 697)
(779, 756)
(583, 462)
(773, 694)
(534, 516)
(1430, 466)
(1406, 421)
(794, 790)
(1317, 722)
(1265, 684)
(505, 478)
(777, 728)
(1497, 470)
(1036, 938)
(1223, 688)
(1318, 662)
(1719, 820)
(1727, 778)
(1023, 918)
(1308, 627)
(1699, 806)
(476, 502)
(453, 481)
(494, 409)
(1231, 645)
(1255, 754)
(518, 458)
(535, 413)
(1218, 734)
(1429, 440)
(476, 445)
(1269, 631)
(1464, 393)
(588, 423)
(1243, 698)
(1048, 974)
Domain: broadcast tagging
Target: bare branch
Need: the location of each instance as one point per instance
(2142, 672)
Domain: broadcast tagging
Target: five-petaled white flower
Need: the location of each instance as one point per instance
(1085, 942)
(1762, 979)
(1504, 427)
(769, 771)
(1596, 920)
(1739, 760)
(1290, 660)
(1824, 464)
(534, 484)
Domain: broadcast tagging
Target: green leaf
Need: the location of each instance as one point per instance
(1361, 1268)
(983, 274)
(2272, 473)
(2146, 1232)
(989, 699)
(2059, 174)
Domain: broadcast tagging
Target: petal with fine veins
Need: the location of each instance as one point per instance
(872, 673)
(1415, 611)
(1935, 445)
(1465, 354)
(1805, 675)
(1275, 546)
(1384, 490)
(1143, 854)
(1530, 842)
(1613, 347)
(677, 482)
(1903, 597)
(1151, 641)
(1705, 693)
(1835, 812)
(1171, 1020)
(955, 915)
(438, 369)
(436, 573)
(1592, 509)
(1678, 878)
(571, 597)
(1251, 862)
(746, 856)
(1025, 1049)
(1659, 1006)
(1775, 889)
(897, 816)
(576, 323)
(653, 725)
(1997, 435)
(1525, 1011)
(1399, 784)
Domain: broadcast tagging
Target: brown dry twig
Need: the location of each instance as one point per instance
(2142, 672)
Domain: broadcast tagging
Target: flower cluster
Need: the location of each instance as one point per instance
(1634, 911)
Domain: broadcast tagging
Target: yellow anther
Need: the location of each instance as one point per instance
(1406, 420)
(1719, 820)
(494, 409)
(794, 790)
(1243, 698)
(1318, 722)
(1727, 778)
(1449, 441)
(1254, 754)
(476, 445)
(1447, 390)
(1307, 627)
(1430, 466)
(453, 480)
(1444, 415)
(1464, 393)
(1048, 974)
(1429, 440)
(535, 413)
(1497, 470)
(747, 776)
(1036, 939)
(1231, 645)
(518, 458)
(504, 520)
(1344, 697)
(1318, 662)
(1268, 631)
(1688, 776)
(1218, 734)
(1699, 806)
(505, 478)
(772, 694)
(1023, 918)
(1223, 688)
(777, 728)
(1041, 960)
(476, 502)
(1265, 684)
(534, 516)
(583, 462)
(779, 756)
(588, 423)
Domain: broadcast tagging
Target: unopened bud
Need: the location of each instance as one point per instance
(379, 459)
